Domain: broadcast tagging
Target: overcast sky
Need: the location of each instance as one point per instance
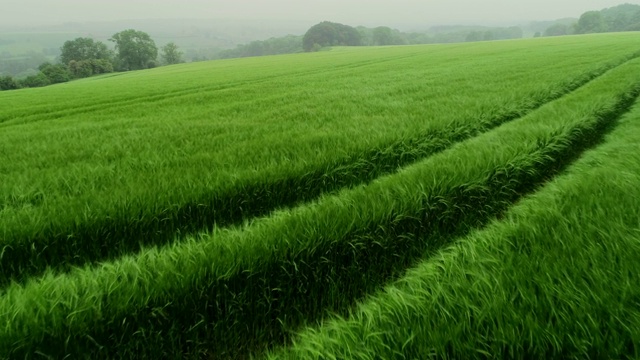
(352, 12)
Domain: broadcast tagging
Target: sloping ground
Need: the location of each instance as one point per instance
(140, 158)
(557, 277)
(242, 290)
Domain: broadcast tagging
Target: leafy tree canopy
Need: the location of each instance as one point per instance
(557, 30)
(625, 17)
(86, 68)
(171, 55)
(8, 83)
(84, 49)
(38, 80)
(55, 73)
(135, 50)
(289, 44)
(330, 34)
(383, 35)
(591, 22)
(622, 17)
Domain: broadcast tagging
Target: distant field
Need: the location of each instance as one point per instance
(25, 42)
(272, 206)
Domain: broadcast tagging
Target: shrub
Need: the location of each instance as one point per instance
(8, 83)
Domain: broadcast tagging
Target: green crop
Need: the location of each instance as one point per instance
(557, 277)
(98, 168)
(243, 289)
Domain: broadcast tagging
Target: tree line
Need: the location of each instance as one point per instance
(327, 34)
(619, 18)
(84, 57)
(135, 50)
(624, 17)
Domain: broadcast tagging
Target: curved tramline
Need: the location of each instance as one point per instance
(138, 87)
(244, 289)
(80, 183)
(557, 278)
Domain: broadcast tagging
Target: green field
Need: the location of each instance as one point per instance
(452, 201)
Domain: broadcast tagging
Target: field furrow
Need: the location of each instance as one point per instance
(243, 289)
(54, 111)
(39, 110)
(136, 178)
(556, 278)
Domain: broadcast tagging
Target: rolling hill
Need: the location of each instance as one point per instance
(470, 200)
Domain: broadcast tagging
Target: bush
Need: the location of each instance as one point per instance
(152, 64)
(86, 68)
(35, 81)
(55, 73)
(8, 83)
(101, 66)
(80, 69)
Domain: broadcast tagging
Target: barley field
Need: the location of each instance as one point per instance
(476, 200)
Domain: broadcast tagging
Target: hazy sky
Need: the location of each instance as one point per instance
(353, 12)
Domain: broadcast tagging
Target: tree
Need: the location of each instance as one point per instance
(82, 49)
(8, 83)
(38, 80)
(382, 35)
(86, 68)
(323, 34)
(514, 32)
(171, 55)
(557, 30)
(136, 50)
(475, 36)
(55, 73)
(282, 45)
(634, 22)
(591, 22)
(80, 69)
(488, 35)
(101, 66)
(366, 35)
(330, 34)
(83, 55)
(152, 64)
(621, 17)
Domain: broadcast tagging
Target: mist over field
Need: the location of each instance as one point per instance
(33, 32)
(404, 14)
